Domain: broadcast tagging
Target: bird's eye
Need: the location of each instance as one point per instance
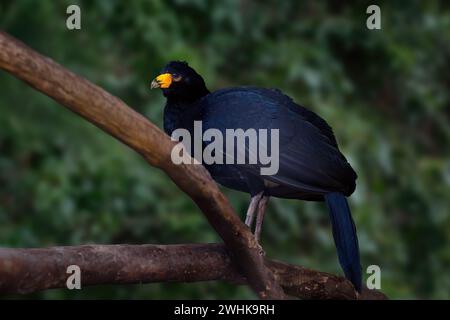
(176, 77)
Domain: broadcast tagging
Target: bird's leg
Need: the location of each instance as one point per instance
(262, 205)
(252, 209)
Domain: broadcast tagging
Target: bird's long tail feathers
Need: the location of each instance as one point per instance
(345, 238)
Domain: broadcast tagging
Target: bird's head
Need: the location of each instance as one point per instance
(179, 81)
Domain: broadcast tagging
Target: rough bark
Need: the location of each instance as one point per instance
(31, 270)
(113, 116)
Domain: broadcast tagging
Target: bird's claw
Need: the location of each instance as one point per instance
(260, 249)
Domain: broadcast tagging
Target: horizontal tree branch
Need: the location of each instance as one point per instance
(113, 116)
(30, 270)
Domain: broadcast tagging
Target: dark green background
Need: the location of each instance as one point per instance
(385, 93)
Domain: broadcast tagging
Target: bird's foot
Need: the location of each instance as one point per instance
(260, 249)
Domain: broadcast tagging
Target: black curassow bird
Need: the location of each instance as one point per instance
(311, 167)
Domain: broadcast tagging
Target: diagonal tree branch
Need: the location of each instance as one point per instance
(116, 118)
(31, 270)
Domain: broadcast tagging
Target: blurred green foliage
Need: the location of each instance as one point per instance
(385, 93)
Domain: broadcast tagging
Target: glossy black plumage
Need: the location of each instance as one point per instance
(311, 167)
(310, 162)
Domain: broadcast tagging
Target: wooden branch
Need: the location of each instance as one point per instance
(31, 270)
(116, 118)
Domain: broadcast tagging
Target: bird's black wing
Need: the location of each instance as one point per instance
(309, 160)
(287, 102)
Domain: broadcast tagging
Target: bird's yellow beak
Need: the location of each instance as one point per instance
(162, 81)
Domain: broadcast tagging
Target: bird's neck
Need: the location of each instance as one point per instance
(187, 98)
(182, 110)
(181, 114)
